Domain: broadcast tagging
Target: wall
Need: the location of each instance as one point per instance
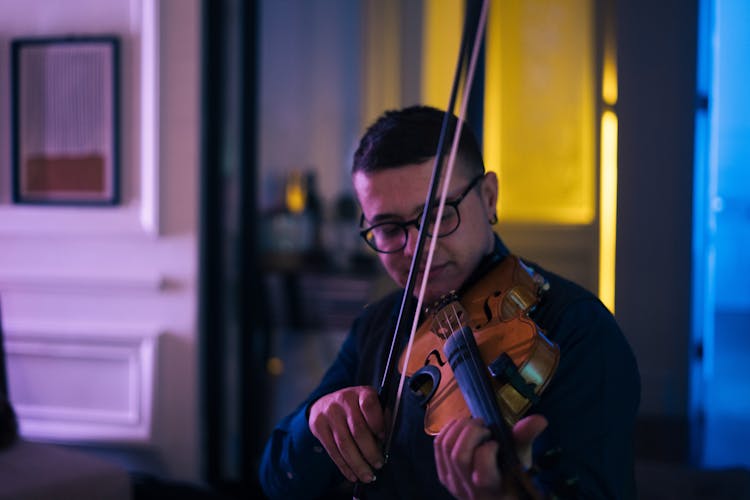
(657, 91)
(309, 93)
(100, 303)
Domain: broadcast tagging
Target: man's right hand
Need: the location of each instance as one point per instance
(349, 424)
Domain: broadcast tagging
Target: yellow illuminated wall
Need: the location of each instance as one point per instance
(539, 110)
(381, 38)
(443, 22)
(541, 122)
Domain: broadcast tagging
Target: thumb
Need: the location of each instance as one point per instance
(525, 432)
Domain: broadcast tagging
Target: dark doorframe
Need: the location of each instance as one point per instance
(233, 339)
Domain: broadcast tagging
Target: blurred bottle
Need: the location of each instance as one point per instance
(344, 234)
(303, 216)
(313, 210)
(296, 192)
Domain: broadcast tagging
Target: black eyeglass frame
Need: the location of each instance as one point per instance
(415, 221)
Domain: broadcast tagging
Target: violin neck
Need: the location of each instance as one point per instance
(473, 378)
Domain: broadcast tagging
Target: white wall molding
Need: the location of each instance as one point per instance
(94, 284)
(70, 221)
(83, 382)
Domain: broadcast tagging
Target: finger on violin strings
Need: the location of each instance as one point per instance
(468, 435)
(450, 475)
(455, 444)
(464, 432)
(452, 479)
(525, 432)
(528, 428)
(485, 473)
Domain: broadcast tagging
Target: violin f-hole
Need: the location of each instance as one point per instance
(434, 354)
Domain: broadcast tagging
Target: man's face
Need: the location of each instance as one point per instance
(398, 194)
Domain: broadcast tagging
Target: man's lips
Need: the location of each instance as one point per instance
(434, 269)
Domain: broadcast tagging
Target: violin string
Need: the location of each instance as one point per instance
(441, 205)
(475, 364)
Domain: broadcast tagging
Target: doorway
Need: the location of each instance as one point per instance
(721, 321)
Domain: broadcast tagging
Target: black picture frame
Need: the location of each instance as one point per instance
(65, 94)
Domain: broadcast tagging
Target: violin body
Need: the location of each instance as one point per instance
(518, 358)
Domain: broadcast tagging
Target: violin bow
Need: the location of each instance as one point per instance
(386, 386)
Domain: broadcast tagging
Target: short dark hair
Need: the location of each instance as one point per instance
(410, 135)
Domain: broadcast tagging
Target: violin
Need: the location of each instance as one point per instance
(484, 336)
(480, 354)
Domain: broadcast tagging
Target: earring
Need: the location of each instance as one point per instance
(493, 220)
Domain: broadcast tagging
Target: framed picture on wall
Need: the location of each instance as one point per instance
(65, 113)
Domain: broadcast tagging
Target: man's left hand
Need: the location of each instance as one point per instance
(466, 457)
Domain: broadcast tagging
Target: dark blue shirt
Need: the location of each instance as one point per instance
(591, 404)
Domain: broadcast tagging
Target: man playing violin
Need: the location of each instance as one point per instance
(577, 439)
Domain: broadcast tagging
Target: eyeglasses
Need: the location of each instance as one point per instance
(391, 236)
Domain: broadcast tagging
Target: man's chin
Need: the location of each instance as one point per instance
(432, 295)
(436, 289)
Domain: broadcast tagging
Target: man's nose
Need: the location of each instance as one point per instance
(412, 234)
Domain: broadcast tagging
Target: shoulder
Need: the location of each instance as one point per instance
(586, 331)
(575, 319)
(567, 303)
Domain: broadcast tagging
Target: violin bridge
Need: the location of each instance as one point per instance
(449, 318)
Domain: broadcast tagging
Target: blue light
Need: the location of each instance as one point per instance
(721, 246)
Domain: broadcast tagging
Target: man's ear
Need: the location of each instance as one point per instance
(489, 193)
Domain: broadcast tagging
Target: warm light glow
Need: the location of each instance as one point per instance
(443, 22)
(609, 80)
(296, 194)
(609, 70)
(608, 210)
(275, 366)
